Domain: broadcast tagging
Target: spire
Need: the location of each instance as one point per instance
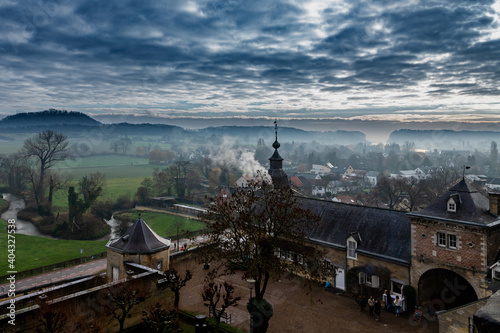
(279, 177)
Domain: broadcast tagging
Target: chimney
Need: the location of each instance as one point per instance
(494, 202)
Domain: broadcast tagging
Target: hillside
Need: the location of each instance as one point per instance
(49, 117)
(75, 123)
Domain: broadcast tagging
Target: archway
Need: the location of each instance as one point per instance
(442, 289)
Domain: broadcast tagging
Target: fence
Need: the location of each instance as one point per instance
(49, 268)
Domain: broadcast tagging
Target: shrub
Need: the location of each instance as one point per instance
(102, 209)
(261, 312)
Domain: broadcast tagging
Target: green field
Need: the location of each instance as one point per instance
(35, 251)
(165, 225)
(113, 189)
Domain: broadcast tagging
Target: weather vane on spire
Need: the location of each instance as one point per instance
(276, 128)
(276, 144)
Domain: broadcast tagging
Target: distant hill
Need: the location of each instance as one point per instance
(49, 117)
(445, 139)
(253, 133)
(75, 123)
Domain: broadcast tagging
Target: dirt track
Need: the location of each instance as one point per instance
(299, 307)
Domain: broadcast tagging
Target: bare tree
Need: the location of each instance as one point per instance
(160, 320)
(213, 293)
(47, 148)
(247, 228)
(14, 173)
(120, 301)
(390, 191)
(176, 282)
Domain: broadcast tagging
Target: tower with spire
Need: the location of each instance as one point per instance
(276, 172)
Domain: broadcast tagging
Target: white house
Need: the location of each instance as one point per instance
(320, 169)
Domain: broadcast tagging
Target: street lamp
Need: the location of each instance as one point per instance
(251, 285)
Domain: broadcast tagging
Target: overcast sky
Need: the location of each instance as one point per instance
(392, 60)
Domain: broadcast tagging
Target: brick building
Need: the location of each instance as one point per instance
(454, 242)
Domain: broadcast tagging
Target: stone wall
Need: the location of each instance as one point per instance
(457, 320)
(87, 306)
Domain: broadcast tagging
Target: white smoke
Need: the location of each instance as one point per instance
(242, 160)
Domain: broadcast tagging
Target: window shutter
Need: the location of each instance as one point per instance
(361, 277)
(375, 281)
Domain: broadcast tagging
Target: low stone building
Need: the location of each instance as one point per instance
(367, 246)
(139, 245)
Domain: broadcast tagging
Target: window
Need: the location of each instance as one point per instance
(441, 239)
(159, 265)
(351, 249)
(452, 241)
(447, 240)
(452, 207)
(496, 275)
(369, 279)
(396, 288)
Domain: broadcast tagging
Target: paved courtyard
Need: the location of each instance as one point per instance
(300, 307)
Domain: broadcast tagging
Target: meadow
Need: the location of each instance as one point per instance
(123, 176)
(36, 251)
(165, 225)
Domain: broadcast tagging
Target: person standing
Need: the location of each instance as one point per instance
(376, 309)
(388, 300)
(371, 304)
(397, 305)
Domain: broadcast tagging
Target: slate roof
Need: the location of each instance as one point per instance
(472, 207)
(139, 238)
(383, 233)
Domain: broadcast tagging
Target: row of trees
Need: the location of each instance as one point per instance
(29, 173)
(412, 194)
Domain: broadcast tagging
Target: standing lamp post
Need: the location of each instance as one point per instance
(251, 285)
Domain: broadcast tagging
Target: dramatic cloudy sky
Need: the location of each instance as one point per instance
(400, 60)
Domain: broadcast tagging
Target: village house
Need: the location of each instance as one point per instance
(320, 169)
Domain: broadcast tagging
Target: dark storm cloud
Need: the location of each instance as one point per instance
(244, 55)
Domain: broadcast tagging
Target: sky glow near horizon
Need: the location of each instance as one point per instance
(365, 60)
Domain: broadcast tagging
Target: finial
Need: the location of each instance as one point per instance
(276, 144)
(276, 128)
(465, 167)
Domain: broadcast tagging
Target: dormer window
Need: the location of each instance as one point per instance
(351, 248)
(452, 205)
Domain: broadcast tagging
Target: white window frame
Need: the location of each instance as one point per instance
(368, 279)
(352, 245)
(451, 205)
(496, 274)
(441, 239)
(393, 283)
(452, 239)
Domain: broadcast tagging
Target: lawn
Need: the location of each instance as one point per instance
(35, 251)
(113, 189)
(165, 225)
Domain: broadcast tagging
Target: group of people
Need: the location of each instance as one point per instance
(374, 306)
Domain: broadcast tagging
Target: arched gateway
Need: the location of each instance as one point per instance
(441, 289)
